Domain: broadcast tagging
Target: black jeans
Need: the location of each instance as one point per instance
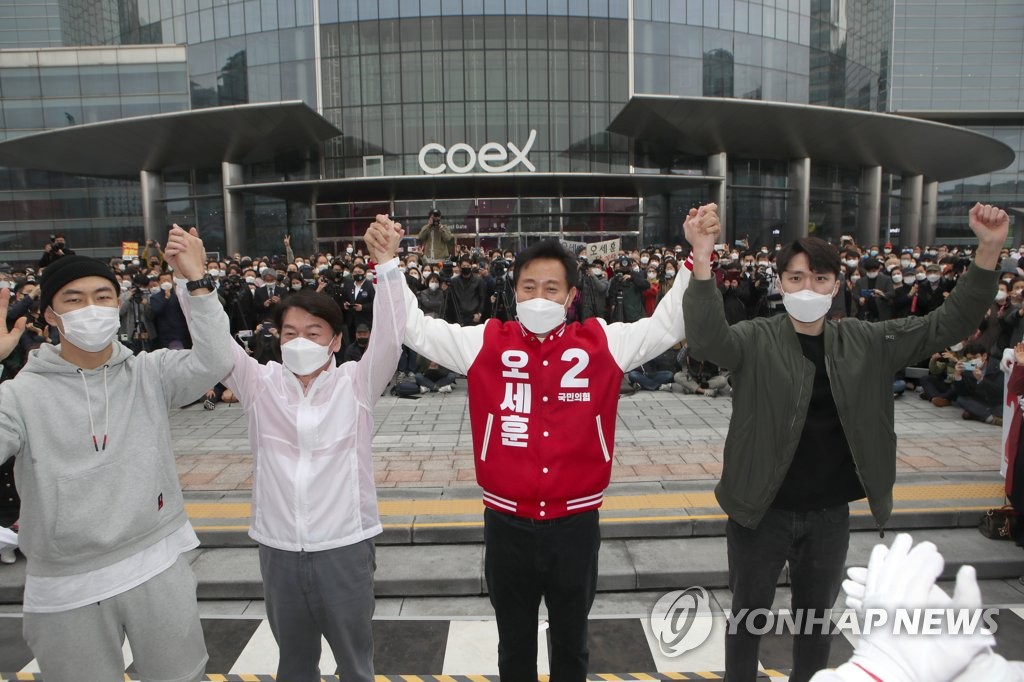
(526, 560)
(815, 544)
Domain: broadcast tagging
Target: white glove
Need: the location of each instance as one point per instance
(905, 577)
(857, 580)
(1008, 361)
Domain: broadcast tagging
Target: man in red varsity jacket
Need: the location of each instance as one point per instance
(542, 402)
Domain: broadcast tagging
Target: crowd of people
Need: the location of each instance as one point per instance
(807, 338)
(468, 286)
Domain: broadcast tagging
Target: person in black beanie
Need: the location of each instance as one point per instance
(103, 525)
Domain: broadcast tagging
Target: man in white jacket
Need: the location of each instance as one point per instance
(314, 506)
(103, 522)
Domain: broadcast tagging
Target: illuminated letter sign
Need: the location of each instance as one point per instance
(460, 158)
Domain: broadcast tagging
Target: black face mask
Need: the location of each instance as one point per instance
(358, 277)
(362, 342)
(467, 273)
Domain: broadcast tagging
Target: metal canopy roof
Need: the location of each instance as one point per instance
(454, 186)
(756, 129)
(202, 138)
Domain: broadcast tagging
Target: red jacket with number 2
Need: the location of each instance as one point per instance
(543, 411)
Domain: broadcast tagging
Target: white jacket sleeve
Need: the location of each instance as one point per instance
(376, 367)
(243, 380)
(634, 343)
(449, 345)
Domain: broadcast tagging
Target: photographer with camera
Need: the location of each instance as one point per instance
(238, 302)
(152, 256)
(875, 293)
(436, 239)
(54, 249)
(138, 330)
(332, 282)
(625, 292)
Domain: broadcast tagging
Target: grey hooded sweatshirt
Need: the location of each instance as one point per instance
(84, 506)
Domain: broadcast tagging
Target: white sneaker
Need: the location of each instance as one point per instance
(424, 389)
(445, 389)
(7, 556)
(665, 387)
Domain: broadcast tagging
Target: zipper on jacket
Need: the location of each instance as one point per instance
(301, 474)
(600, 437)
(487, 438)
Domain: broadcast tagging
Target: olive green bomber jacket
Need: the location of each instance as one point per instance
(772, 383)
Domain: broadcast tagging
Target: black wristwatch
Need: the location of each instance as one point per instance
(205, 283)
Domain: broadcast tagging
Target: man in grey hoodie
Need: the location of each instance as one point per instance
(103, 522)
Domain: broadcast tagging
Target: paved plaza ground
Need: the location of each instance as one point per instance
(660, 436)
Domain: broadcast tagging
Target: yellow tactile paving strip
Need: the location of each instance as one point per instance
(990, 493)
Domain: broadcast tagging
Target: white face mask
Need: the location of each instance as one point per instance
(1000, 296)
(806, 305)
(669, 274)
(933, 278)
(302, 356)
(906, 263)
(91, 328)
(166, 286)
(539, 315)
(250, 280)
(851, 263)
(296, 287)
(920, 277)
(154, 290)
(434, 286)
(897, 279)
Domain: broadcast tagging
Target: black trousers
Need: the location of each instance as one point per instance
(815, 544)
(526, 560)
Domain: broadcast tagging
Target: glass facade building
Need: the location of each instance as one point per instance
(53, 88)
(963, 62)
(427, 89)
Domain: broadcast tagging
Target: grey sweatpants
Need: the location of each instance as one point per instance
(314, 594)
(159, 617)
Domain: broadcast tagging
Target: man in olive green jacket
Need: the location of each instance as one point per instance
(812, 423)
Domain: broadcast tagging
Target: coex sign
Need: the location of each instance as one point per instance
(461, 158)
